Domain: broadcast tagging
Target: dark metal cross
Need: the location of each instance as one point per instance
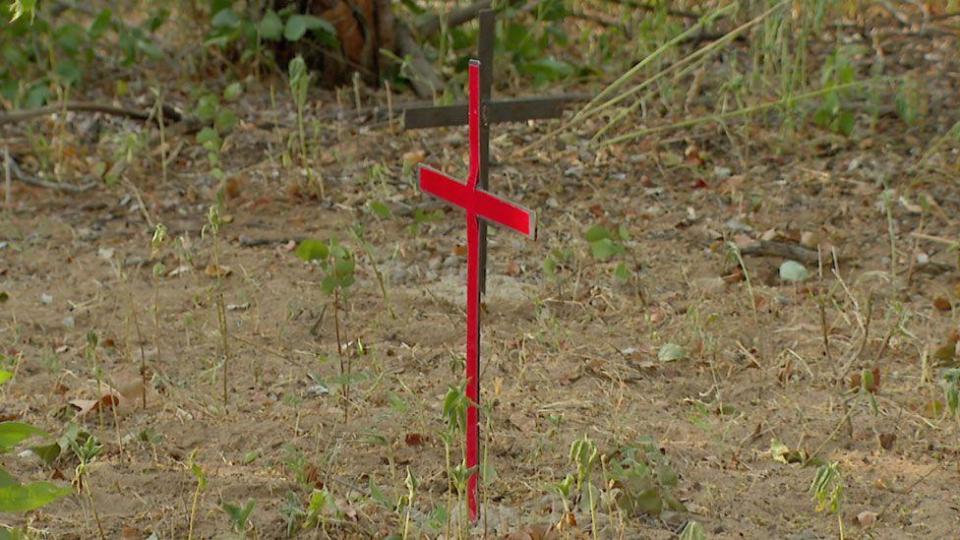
(491, 112)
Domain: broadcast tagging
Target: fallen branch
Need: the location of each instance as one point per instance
(20, 175)
(456, 17)
(653, 7)
(169, 113)
(425, 81)
(767, 248)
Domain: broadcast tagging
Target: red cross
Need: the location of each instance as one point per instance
(479, 205)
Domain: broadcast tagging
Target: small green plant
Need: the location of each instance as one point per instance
(607, 245)
(838, 71)
(321, 505)
(232, 28)
(239, 516)
(14, 496)
(299, 84)
(293, 513)
(338, 265)
(564, 489)
(212, 110)
(642, 479)
(827, 490)
(201, 477)
(951, 388)
(86, 452)
(46, 48)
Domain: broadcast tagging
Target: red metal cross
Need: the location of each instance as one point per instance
(479, 205)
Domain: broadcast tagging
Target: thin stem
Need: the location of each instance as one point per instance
(345, 382)
(143, 356)
(222, 319)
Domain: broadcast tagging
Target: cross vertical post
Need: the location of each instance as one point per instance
(479, 205)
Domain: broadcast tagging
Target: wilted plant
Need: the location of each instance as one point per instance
(827, 490)
(584, 454)
(407, 500)
(201, 477)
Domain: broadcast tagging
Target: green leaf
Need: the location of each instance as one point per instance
(23, 498)
(6, 479)
(597, 233)
(329, 284)
(547, 69)
(380, 209)
(48, 452)
(604, 249)
(225, 121)
(100, 24)
(271, 27)
(209, 139)
(621, 272)
(793, 272)
(207, 107)
(297, 26)
(4, 296)
(12, 433)
(312, 250)
(670, 352)
(232, 91)
(5, 376)
(225, 19)
(845, 122)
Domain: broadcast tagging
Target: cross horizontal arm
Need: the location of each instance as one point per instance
(505, 110)
(486, 206)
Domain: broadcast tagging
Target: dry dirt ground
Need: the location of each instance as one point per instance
(760, 362)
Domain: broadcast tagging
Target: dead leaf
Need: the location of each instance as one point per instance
(412, 158)
(238, 307)
(215, 271)
(178, 270)
(942, 304)
(810, 239)
(887, 440)
(86, 406)
(414, 439)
